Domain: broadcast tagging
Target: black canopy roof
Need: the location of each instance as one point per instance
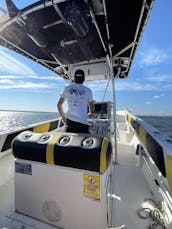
(67, 34)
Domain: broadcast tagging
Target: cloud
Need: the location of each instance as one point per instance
(53, 78)
(57, 78)
(153, 57)
(134, 86)
(10, 77)
(98, 85)
(17, 75)
(148, 103)
(8, 64)
(156, 96)
(10, 84)
(11, 68)
(142, 86)
(130, 85)
(160, 78)
(6, 81)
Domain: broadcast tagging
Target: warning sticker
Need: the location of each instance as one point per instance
(92, 186)
(23, 168)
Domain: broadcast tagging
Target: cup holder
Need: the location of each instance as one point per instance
(44, 138)
(26, 136)
(88, 143)
(64, 140)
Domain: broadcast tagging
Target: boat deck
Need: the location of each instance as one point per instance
(129, 192)
(130, 189)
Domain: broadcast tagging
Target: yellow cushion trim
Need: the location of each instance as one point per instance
(42, 128)
(142, 135)
(168, 162)
(50, 149)
(103, 155)
(129, 119)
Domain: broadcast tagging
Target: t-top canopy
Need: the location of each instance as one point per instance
(65, 35)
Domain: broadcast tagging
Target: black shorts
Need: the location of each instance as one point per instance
(76, 127)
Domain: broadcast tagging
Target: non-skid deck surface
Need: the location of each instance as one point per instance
(130, 190)
(14, 220)
(126, 155)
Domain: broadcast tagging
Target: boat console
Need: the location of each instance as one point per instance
(100, 125)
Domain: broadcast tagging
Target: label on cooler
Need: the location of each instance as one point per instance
(24, 168)
(91, 186)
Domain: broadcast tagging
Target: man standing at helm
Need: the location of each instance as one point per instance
(79, 98)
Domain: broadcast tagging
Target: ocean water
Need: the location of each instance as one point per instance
(12, 120)
(162, 123)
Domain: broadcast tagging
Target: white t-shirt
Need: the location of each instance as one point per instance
(78, 96)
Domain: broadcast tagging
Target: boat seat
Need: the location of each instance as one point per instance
(80, 151)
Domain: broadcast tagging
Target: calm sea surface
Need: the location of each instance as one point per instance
(162, 123)
(12, 120)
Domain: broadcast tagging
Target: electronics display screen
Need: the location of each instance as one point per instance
(101, 108)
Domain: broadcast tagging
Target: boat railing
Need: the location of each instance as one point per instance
(156, 150)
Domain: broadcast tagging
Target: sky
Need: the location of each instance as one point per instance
(27, 86)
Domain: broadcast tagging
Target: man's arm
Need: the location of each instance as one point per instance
(91, 109)
(60, 108)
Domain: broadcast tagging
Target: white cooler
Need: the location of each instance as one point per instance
(58, 194)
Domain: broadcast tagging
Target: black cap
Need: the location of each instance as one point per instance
(79, 76)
